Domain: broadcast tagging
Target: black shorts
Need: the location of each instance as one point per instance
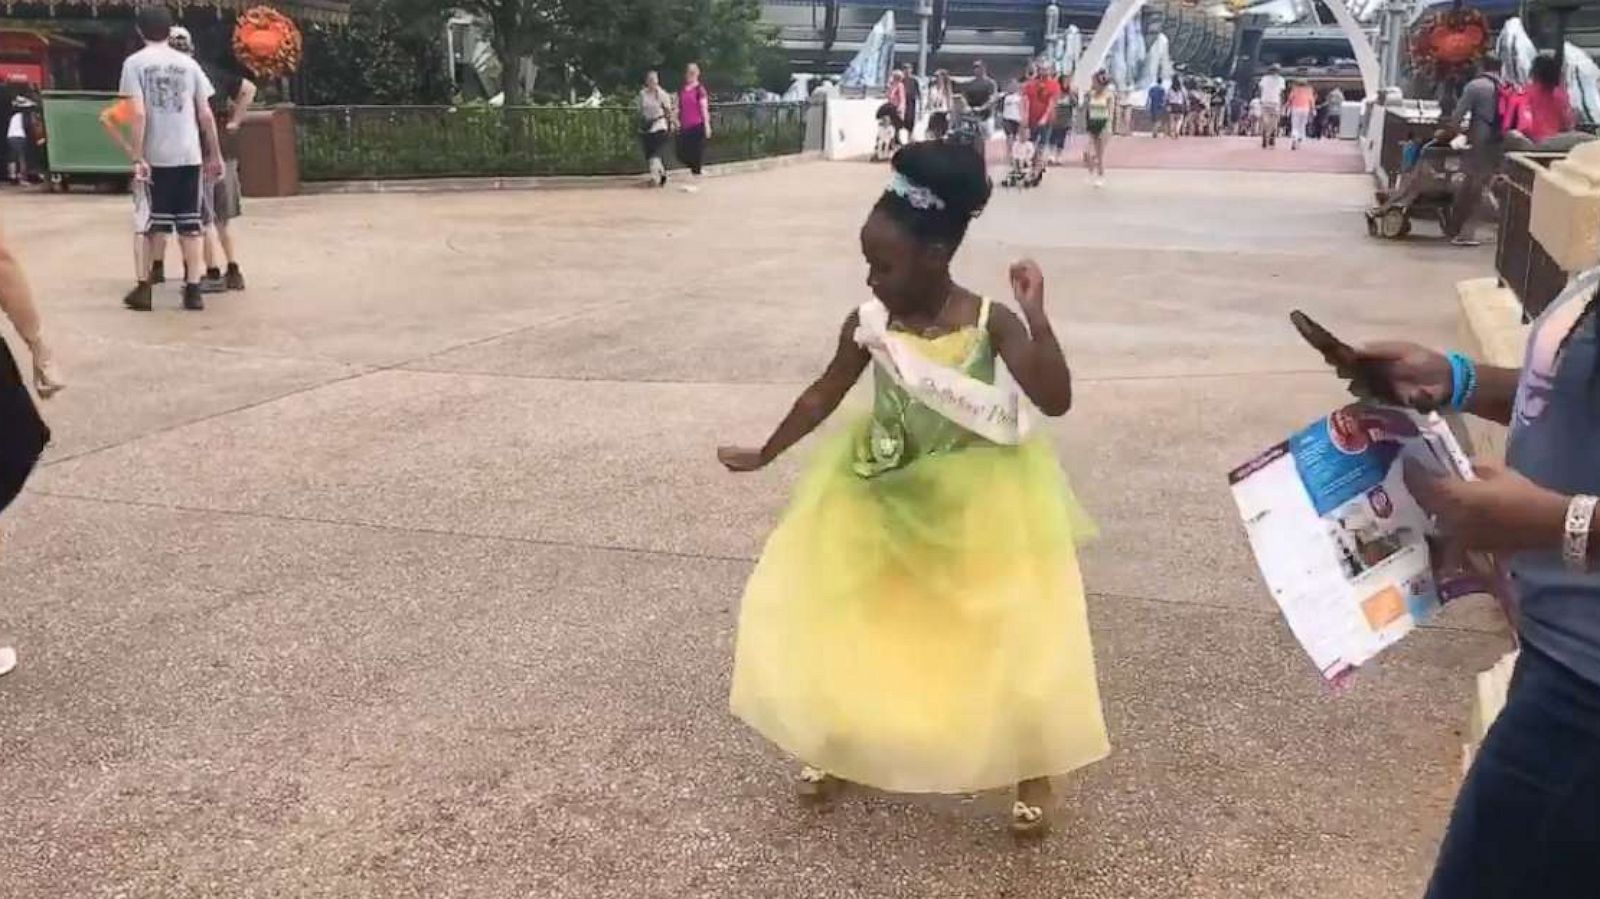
(175, 200)
(1097, 128)
(1011, 127)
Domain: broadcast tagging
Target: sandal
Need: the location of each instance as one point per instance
(815, 784)
(1028, 820)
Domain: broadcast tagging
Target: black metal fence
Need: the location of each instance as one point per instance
(392, 142)
(1521, 262)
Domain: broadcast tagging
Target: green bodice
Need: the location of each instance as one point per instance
(903, 429)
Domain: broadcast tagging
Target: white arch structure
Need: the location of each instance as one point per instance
(1119, 12)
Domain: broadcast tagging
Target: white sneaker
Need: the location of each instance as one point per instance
(8, 660)
(689, 189)
(1100, 181)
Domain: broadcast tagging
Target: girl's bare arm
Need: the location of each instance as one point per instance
(1031, 353)
(815, 404)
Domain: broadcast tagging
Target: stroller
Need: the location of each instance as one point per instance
(1430, 179)
(1027, 168)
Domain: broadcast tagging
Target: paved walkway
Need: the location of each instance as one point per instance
(1236, 154)
(411, 571)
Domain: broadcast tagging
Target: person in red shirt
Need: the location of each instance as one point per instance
(1549, 106)
(1039, 98)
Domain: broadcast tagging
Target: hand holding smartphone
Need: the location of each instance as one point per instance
(1371, 376)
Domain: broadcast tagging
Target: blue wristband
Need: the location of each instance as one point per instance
(1463, 380)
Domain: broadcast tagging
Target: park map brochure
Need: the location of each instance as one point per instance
(1351, 559)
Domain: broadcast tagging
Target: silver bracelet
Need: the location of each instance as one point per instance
(1580, 521)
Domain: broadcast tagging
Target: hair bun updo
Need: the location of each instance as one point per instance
(954, 173)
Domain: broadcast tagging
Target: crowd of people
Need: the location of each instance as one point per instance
(1038, 112)
(1035, 113)
(1205, 107)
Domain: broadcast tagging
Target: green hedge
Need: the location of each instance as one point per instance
(386, 142)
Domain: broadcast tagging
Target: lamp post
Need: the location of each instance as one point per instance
(924, 13)
(1563, 10)
(1392, 36)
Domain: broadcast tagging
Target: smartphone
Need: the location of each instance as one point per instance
(1367, 378)
(1338, 353)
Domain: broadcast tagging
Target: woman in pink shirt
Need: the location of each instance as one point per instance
(1302, 100)
(694, 121)
(1549, 107)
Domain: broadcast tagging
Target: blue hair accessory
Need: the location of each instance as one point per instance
(915, 194)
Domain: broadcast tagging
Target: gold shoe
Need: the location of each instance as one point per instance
(1028, 820)
(815, 785)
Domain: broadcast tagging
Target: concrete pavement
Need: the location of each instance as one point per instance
(1237, 154)
(411, 571)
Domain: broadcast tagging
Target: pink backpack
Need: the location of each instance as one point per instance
(1512, 112)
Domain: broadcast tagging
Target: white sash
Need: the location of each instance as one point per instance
(993, 413)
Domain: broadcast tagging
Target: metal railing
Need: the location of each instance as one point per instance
(1523, 265)
(395, 142)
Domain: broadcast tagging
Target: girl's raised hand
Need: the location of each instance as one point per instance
(1027, 285)
(740, 459)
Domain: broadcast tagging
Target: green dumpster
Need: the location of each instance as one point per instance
(77, 144)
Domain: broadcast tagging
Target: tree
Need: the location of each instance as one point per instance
(522, 33)
(773, 71)
(729, 39)
(379, 57)
(608, 45)
(392, 50)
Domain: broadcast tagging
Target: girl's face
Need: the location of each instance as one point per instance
(692, 74)
(652, 80)
(902, 272)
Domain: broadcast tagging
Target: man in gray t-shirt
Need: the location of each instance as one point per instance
(175, 136)
(1480, 100)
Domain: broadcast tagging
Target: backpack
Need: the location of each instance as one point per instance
(1512, 112)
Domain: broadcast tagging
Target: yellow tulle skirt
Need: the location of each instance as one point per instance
(924, 630)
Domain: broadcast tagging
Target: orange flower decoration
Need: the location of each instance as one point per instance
(267, 42)
(1448, 42)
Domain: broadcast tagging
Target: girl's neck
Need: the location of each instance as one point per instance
(933, 314)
